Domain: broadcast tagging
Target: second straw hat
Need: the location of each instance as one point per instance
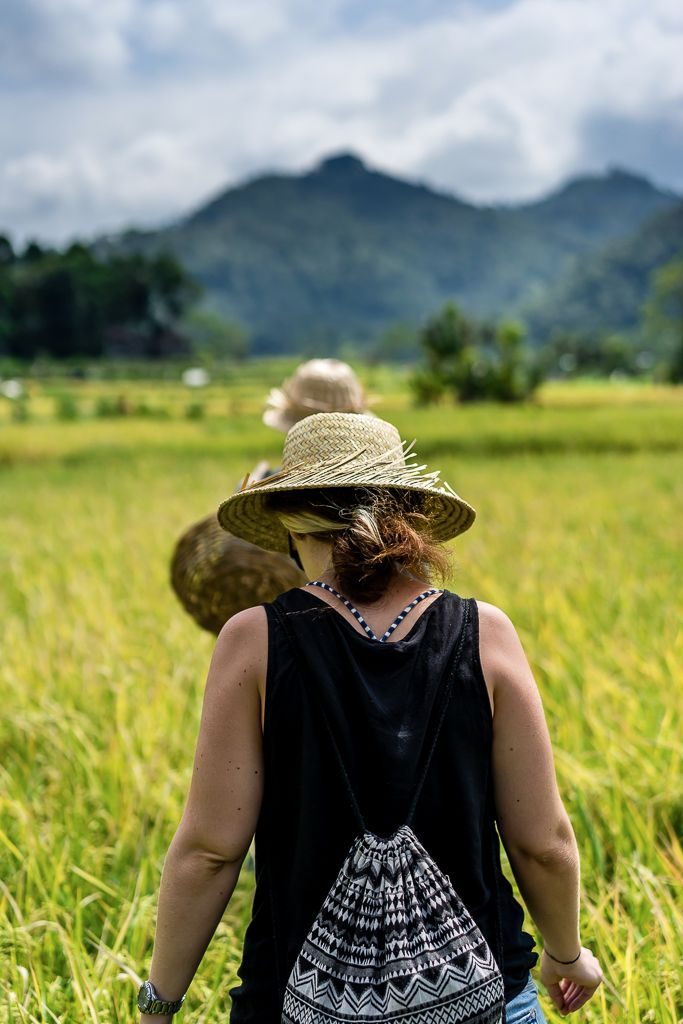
(333, 450)
(320, 385)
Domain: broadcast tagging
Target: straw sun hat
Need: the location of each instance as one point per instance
(320, 385)
(341, 450)
(216, 575)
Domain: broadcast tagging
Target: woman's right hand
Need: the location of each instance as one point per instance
(571, 985)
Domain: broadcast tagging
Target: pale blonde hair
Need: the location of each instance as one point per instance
(374, 534)
(361, 520)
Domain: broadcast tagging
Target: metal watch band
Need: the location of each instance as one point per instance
(164, 1006)
(149, 1001)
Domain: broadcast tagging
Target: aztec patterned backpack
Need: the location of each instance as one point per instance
(393, 943)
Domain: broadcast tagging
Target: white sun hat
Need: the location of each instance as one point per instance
(320, 385)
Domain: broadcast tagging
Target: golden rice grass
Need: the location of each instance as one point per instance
(102, 673)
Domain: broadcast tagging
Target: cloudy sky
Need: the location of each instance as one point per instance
(118, 112)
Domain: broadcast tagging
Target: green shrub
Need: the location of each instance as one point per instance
(195, 411)
(108, 406)
(427, 386)
(474, 362)
(151, 412)
(66, 407)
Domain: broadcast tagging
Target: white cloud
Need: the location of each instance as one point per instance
(147, 106)
(63, 40)
(138, 183)
(160, 24)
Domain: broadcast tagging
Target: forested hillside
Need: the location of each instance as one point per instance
(607, 291)
(342, 252)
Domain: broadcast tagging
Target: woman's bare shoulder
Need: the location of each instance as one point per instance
(250, 623)
(496, 631)
(492, 618)
(242, 643)
(502, 656)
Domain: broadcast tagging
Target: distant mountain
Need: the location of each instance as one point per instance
(344, 251)
(591, 210)
(607, 290)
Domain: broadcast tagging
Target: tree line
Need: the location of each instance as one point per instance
(471, 361)
(80, 304)
(77, 304)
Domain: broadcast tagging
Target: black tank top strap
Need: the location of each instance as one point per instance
(446, 688)
(291, 636)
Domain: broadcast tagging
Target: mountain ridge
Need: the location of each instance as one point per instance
(342, 251)
(612, 285)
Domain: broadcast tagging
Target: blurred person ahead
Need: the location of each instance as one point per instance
(215, 574)
(369, 696)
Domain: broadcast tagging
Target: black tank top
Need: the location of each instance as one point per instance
(379, 700)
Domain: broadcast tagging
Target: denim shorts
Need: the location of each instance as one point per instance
(525, 1008)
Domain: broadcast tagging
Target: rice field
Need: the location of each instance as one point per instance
(580, 502)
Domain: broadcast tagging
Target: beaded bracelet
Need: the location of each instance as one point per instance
(565, 963)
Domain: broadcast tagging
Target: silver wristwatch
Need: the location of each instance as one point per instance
(149, 1001)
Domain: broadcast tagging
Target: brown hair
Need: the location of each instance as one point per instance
(375, 534)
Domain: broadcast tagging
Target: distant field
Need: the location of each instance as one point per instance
(580, 501)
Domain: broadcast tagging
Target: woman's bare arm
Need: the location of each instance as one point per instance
(205, 856)
(532, 820)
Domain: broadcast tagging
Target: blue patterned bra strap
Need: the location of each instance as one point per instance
(408, 608)
(354, 611)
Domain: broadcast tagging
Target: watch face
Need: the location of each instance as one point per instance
(145, 996)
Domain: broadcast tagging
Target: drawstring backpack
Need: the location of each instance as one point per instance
(393, 942)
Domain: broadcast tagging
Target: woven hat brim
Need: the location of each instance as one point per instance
(246, 513)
